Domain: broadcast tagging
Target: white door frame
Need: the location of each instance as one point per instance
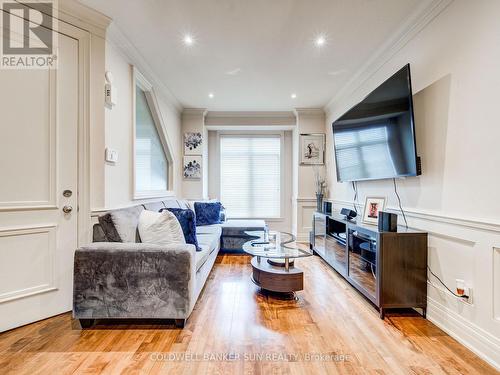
(83, 154)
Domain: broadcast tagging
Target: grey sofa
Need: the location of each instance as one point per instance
(117, 276)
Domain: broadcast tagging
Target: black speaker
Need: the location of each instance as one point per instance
(387, 222)
(327, 208)
(349, 214)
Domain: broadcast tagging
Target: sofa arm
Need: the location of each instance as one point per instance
(134, 280)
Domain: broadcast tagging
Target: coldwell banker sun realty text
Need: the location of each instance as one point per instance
(29, 35)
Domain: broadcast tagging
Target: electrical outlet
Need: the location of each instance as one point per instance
(464, 291)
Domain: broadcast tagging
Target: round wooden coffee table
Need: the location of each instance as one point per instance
(273, 261)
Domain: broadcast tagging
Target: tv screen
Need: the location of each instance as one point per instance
(376, 138)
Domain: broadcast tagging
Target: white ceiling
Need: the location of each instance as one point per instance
(253, 54)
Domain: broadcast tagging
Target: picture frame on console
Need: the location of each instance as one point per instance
(373, 205)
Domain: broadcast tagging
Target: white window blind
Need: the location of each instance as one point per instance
(151, 167)
(250, 172)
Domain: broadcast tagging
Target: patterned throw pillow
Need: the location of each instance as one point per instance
(207, 213)
(187, 221)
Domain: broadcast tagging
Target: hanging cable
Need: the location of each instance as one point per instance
(399, 201)
(443, 284)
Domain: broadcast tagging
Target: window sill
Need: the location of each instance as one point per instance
(153, 194)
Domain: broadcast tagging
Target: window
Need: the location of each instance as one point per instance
(152, 161)
(250, 175)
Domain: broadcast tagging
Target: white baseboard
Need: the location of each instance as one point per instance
(482, 343)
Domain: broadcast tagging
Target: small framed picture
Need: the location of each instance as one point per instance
(192, 167)
(312, 149)
(373, 206)
(193, 143)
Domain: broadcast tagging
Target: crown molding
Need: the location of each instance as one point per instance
(425, 13)
(256, 114)
(249, 118)
(309, 112)
(84, 17)
(118, 39)
(194, 112)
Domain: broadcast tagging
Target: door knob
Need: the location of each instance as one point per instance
(67, 209)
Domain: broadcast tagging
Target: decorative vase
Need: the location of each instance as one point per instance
(319, 202)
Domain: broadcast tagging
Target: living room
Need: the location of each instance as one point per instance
(187, 200)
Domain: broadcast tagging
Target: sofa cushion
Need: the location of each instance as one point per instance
(160, 228)
(210, 240)
(209, 229)
(239, 227)
(187, 221)
(125, 221)
(202, 256)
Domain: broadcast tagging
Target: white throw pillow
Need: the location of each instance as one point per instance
(160, 228)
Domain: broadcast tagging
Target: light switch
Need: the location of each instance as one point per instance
(111, 155)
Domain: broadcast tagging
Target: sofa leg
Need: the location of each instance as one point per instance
(86, 323)
(180, 323)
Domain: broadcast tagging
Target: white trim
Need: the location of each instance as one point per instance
(474, 223)
(138, 79)
(81, 16)
(482, 343)
(425, 13)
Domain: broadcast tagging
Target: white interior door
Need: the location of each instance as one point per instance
(38, 162)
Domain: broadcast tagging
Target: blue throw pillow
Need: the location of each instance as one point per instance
(207, 213)
(187, 220)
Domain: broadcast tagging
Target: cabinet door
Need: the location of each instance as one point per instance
(319, 233)
(336, 255)
(363, 254)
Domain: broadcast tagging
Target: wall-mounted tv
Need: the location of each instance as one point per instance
(376, 138)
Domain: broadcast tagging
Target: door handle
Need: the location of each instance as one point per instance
(67, 209)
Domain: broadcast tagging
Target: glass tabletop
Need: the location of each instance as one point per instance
(279, 245)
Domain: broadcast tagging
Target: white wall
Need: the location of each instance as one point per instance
(456, 78)
(309, 121)
(119, 132)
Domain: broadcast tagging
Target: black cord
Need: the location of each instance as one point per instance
(355, 200)
(441, 281)
(399, 201)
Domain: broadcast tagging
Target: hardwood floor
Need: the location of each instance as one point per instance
(329, 320)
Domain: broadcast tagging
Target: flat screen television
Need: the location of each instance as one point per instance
(376, 138)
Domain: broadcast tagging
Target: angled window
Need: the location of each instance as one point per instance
(151, 153)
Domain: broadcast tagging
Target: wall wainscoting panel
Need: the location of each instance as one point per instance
(27, 261)
(496, 283)
(305, 210)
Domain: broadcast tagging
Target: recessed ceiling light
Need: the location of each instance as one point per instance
(188, 40)
(293, 96)
(211, 95)
(320, 41)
